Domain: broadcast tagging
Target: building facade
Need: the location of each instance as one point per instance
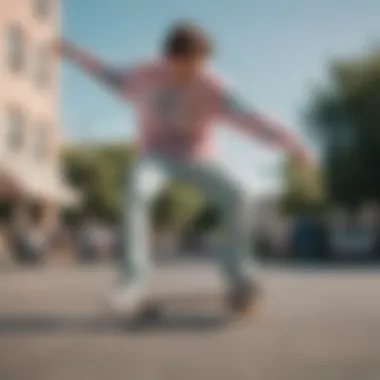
(30, 133)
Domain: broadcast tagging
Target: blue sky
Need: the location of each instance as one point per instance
(272, 51)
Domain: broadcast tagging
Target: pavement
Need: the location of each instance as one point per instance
(317, 324)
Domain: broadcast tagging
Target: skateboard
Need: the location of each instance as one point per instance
(163, 308)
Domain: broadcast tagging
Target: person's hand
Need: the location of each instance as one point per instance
(76, 56)
(64, 48)
(301, 158)
(306, 173)
(57, 47)
(299, 155)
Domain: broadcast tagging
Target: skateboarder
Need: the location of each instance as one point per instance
(177, 100)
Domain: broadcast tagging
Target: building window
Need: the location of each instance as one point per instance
(41, 67)
(41, 143)
(16, 49)
(42, 8)
(15, 130)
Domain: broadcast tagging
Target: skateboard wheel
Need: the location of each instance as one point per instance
(150, 312)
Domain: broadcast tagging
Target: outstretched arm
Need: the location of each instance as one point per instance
(120, 81)
(233, 110)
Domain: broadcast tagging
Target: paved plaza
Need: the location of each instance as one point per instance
(317, 324)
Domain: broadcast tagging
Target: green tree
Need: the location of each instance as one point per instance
(99, 172)
(177, 205)
(209, 218)
(346, 119)
(304, 189)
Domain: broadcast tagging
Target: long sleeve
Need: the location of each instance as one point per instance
(121, 81)
(234, 111)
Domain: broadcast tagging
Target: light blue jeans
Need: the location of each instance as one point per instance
(148, 177)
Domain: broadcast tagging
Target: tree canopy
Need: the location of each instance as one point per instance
(99, 172)
(345, 116)
(304, 189)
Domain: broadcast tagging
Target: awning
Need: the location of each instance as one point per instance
(38, 183)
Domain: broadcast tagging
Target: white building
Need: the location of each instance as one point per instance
(30, 137)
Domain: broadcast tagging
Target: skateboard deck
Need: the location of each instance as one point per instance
(159, 303)
(164, 307)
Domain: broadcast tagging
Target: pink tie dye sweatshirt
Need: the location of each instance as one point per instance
(176, 119)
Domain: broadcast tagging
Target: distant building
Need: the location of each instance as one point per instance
(30, 137)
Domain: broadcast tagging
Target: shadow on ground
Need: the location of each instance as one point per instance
(43, 324)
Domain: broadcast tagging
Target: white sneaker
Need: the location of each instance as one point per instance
(127, 299)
